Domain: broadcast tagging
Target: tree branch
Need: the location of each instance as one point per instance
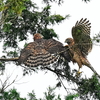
(5, 84)
(72, 78)
(9, 59)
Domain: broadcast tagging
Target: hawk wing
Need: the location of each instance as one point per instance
(41, 52)
(56, 47)
(35, 54)
(81, 36)
(26, 52)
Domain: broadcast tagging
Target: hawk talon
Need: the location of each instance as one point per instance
(78, 73)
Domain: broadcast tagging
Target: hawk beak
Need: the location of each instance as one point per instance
(67, 41)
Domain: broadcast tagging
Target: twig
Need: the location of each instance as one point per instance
(62, 75)
(59, 74)
(62, 84)
(11, 82)
(4, 85)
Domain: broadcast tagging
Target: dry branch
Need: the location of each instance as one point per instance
(9, 59)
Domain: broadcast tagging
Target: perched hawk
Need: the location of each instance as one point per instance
(42, 52)
(81, 43)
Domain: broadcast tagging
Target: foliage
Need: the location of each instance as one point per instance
(57, 1)
(16, 29)
(2, 66)
(96, 38)
(60, 1)
(32, 96)
(89, 88)
(49, 95)
(12, 6)
(11, 95)
(71, 97)
(86, 0)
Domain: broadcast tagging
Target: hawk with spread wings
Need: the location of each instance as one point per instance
(42, 52)
(80, 45)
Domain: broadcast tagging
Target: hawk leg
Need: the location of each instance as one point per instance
(77, 59)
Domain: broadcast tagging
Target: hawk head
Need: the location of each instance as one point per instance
(37, 36)
(69, 41)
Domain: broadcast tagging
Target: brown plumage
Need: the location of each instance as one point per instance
(42, 52)
(81, 44)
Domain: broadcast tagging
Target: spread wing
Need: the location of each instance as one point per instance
(35, 54)
(41, 52)
(26, 52)
(56, 47)
(81, 36)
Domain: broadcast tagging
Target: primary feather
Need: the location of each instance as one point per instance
(81, 36)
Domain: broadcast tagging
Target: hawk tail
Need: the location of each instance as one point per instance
(90, 66)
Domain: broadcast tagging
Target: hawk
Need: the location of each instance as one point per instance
(42, 52)
(80, 45)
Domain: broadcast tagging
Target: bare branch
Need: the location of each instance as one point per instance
(5, 84)
(9, 59)
(62, 83)
(74, 79)
(11, 82)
